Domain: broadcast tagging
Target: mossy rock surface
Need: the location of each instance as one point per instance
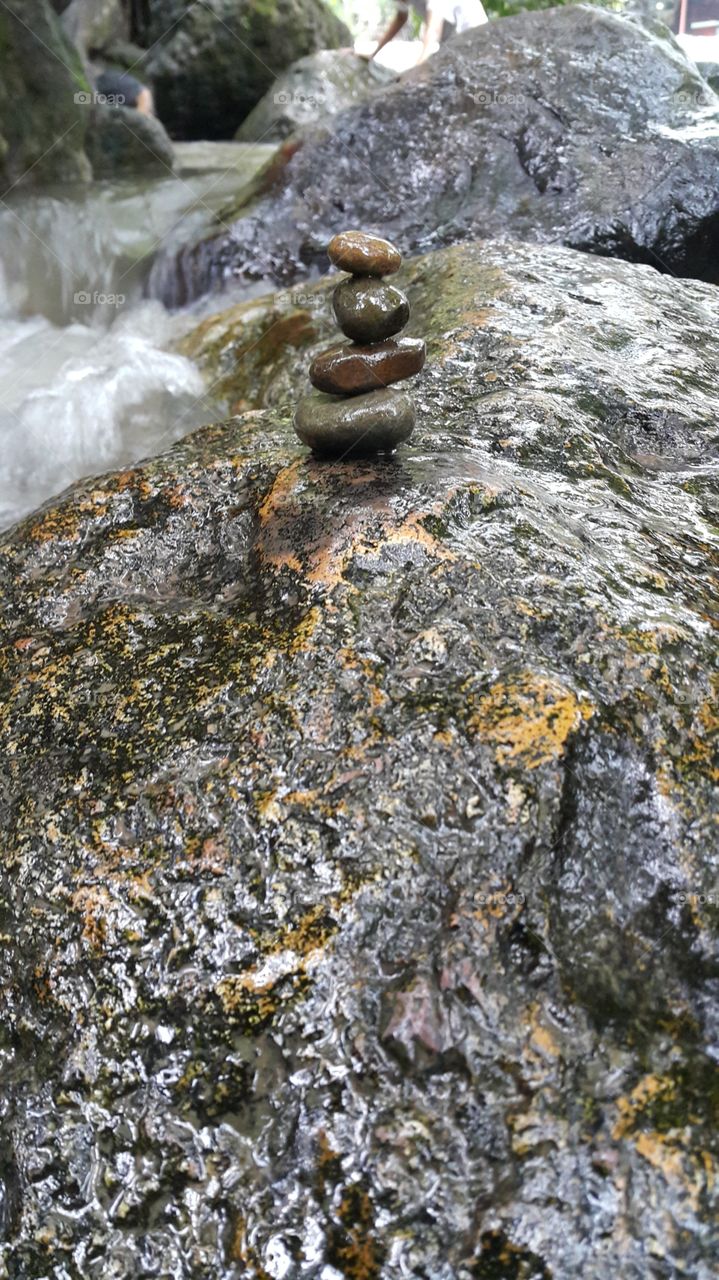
(359, 856)
(210, 63)
(572, 125)
(42, 122)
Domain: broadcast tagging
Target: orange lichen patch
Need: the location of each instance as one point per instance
(305, 799)
(358, 1254)
(296, 533)
(280, 975)
(694, 1172)
(668, 1152)
(127, 480)
(304, 631)
(663, 1155)
(648, 1089)
(61, 523)
(41, 984)
(703, 752)
(174, 497)
(329, 1164)
(273, 543)
(541, 1039)
(209, 856)
(529, 719)
(351, 1245)
(93, 903)
(267, 806)
(311, 933)
(365, 531)
(503, 903)
(253, 1003)
(352, 661)
(241, 1250)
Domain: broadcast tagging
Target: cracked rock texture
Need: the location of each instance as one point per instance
(359, 826)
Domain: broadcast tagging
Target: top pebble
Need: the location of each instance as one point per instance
(364, 255)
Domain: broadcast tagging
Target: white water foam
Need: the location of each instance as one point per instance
(88, 379)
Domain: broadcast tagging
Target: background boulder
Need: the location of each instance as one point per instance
(92, 25)
(359, 867)
(311, 90)
(42, 122)
(122, 140)
(210, 63)
(613, 148)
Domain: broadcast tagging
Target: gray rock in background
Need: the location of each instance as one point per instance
(92, 25)
(570, 125)
(311, 90)
(42, 123)
(123, 141)
(210, 63)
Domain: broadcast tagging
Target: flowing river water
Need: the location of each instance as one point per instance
(89, 379)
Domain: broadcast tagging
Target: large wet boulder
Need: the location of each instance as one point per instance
(710, 71)
(210, 63)
(43, 98)
(358, 880)
(93, 25)
(311, 90)
(123, 141)
(572, 125)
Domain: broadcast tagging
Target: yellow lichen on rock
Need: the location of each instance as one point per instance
(529, 718)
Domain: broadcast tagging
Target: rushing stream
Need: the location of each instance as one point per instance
(88, 379)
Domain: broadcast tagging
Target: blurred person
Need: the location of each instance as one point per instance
(442, 19)
(123, 90)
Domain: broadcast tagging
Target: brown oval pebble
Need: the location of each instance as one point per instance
(354, 426)
(349, 370)
(369, 310)
(364, 255)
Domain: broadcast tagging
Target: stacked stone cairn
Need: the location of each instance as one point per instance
(355, 411)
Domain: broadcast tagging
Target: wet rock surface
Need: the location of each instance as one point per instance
(348, 368)
(211, 63)
(42, 125)
(359, 861)
(614, 150)
(312, 89)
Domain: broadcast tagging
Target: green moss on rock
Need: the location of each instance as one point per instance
(42, 124)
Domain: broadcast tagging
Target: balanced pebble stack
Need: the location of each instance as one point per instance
(355, 411)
